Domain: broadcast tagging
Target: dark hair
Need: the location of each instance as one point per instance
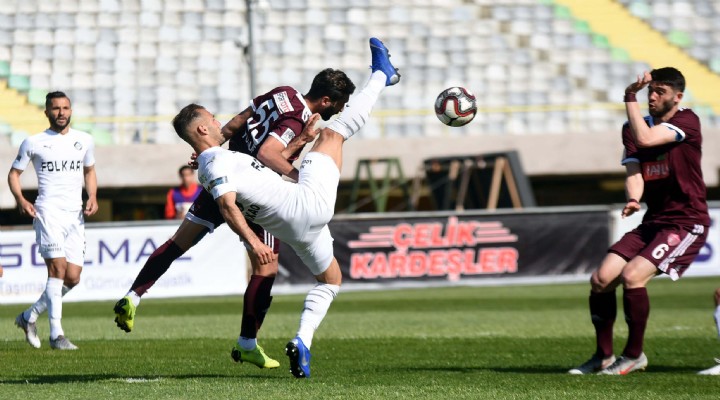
(184, 118)
(669, 76)
(332, 83)
(54, 95)
(183, 168)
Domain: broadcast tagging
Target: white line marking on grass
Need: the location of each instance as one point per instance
(139, 380)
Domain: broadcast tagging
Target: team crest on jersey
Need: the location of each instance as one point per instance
(78, 145)
(282, 100)
(673, 239)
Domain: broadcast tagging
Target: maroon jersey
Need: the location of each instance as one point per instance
(674, 188)
(281, 113)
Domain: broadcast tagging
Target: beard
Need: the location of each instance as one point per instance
(661, 108)
(327, 113)
(57, 126)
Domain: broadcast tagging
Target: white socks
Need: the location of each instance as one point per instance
(53, 293)
(717, 320)
(357, 110)
(31, 314)
(317, 303)
(247, 343)
(133, 297)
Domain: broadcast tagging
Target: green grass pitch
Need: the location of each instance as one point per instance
(448, 343)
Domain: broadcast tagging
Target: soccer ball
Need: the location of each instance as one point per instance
(455, 106)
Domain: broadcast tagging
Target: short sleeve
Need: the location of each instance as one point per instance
(214, 174)
(630, 148)
(685, 124)
(24, 155)
(286, 129)
(89, 159)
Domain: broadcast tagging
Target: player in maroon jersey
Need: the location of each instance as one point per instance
(662, 161)
(272, 130)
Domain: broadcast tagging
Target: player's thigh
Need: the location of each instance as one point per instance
(204, 212)
(318, 181)
(75, 238)
(317, 252)
(189, 233)
(608, 275)
(50, 233)
(638, 272)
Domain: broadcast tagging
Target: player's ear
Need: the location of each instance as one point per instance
(326, 101)
(679, 96)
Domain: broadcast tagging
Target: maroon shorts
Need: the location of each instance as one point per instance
(670, 248)
(205, 211)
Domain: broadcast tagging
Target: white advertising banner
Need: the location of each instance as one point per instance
(113, 257)
(706, 263)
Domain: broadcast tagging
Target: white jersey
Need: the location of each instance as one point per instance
(59, 161)
(262, 195)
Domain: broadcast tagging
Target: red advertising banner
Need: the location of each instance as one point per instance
(454, 247)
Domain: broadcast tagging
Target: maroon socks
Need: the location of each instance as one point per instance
(637, 310)
(603, 309)
(256, 303)
(155, 266)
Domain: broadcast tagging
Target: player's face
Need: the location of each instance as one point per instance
(330, 108)
(213, 126)
(59, 113)
(188, 177)
(661, 99)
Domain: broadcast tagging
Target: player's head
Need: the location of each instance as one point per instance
(196, 125)
(329, 92)
(187, 175)
(58, 110)
(665, 90)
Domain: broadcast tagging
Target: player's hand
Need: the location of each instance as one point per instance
(309, 133)
(193, 161)
(640, 84)
(630, 208)
(91, 206)
(263, 253)
(26, 208)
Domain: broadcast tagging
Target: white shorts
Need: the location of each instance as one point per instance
(317, 252)
(317, 184)
(60, 233)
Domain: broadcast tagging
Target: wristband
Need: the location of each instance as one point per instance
(631, 200)
(630, 98)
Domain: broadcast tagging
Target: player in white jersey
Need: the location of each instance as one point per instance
(297, 214)
(63, 158)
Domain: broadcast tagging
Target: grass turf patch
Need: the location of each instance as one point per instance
(462, 342)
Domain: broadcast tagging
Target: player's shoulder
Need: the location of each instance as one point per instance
(80, 134)
(288, 100)
(685, 115)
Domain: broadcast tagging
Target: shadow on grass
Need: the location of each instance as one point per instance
(653, 369)
(56, 379)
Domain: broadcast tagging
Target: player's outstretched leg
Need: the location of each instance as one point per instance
(156, 265)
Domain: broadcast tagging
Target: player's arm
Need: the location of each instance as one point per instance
(236, 221)
(237, 124)
(634, 188)
(644, 135)
(275, 154)
(25, 207)
(91, 206)
(170, 210)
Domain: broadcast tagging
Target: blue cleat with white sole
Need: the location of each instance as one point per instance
(299, 358)
(381, 62)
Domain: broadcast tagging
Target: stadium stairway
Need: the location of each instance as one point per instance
(643, 43)
(16, 111)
